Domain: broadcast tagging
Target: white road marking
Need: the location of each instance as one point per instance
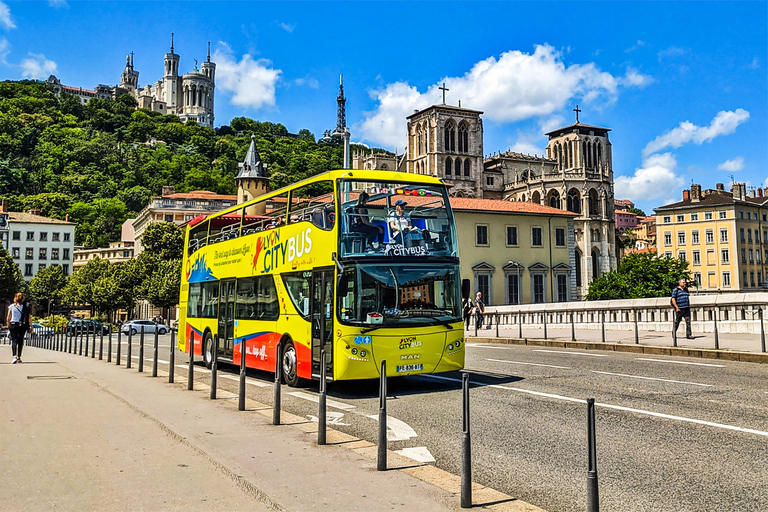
(616, 407)
(483, 345)
(570, 353)
(420, 454)
(529, 364)
(397, 430)
(679, 362)
(256, 383)
(652, 378)
(316, 399)
(331, 418)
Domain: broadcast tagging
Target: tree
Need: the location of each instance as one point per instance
(163, 239)
(11, 280)
(637, 211)
(163, 286)
(47, 285)
(640, 276)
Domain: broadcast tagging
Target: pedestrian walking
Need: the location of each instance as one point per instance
(682, 307)
(479, 310)
(18, 324)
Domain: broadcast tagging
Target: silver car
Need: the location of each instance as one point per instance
(40, 331)
(135, 326)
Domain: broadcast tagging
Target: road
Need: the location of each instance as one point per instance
(673, 434)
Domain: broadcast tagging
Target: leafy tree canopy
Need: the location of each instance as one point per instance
(11, 280)
(640, 276)
(48, 285)
(637, 211)
(163, 239)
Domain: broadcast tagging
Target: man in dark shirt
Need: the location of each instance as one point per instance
(682, 307)
(479, 310)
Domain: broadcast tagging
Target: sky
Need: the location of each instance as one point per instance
(682, 86)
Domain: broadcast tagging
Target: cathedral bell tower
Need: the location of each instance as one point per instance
(129, 80)
(171, 79)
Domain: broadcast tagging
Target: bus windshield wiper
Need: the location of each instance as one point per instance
(369, 329)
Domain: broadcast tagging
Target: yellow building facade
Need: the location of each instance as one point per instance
(516, 252)
(723, 235)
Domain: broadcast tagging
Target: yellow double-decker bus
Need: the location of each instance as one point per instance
(362, 264)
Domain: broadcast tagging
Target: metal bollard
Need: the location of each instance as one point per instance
(278, 377)
(674, 331)
(762, 328)
(82, 330)
(476, 322)
(497, 324)
(93, 347)
(466, 446)
(593, 495)
(87, 339)
(172, 359)
(637, 333)
(321, 413)
(241, 398)
(381, 459)
(129, 359)
(573, 327)
(109, 345)
(141, 350)
(717, 338)
(602, 325)
(119, 344)
(154, 356)
(69, 339)
(545, 324)
(101, 343)
(520, 324)
(214, 366)
(191, 363)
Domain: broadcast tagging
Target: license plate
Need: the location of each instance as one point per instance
(410, 368)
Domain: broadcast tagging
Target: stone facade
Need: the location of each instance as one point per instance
(374, 160)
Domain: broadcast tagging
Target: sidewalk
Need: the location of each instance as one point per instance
(80, 434)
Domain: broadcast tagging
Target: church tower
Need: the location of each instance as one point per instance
(171, 80)
(252, 180)
(209, 69)
(129, 80)
(447, 142)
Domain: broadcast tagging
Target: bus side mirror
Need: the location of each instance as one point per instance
(465, 289)
(342, 284)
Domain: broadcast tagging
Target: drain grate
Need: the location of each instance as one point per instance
(49, 377)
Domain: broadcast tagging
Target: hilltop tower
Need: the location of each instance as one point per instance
(252, 180)
(129, 80)
(171, 80)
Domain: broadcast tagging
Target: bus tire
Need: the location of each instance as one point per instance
(290, 366)
(208, 350)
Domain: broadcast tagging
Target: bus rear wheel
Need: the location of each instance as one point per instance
(208, 350)
(290, 365)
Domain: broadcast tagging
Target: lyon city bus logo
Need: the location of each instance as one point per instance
(273, 252)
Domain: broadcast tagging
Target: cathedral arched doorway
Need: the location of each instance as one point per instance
(574, 201)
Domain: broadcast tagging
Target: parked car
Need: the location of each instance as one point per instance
(85, 325)
(134, 327)
(40, 331)
(3, 335)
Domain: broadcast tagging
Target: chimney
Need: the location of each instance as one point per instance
(4, 206)
(34, 212)
(695, 193)
(739, 191)
(751, 192)
(66, 218)
(759, 192)
(720, 187)
(168, 191)
(686, 195)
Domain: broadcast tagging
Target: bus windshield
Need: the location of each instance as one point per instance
(398, 294)
(389, 219)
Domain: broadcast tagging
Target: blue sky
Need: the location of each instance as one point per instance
(682, 85)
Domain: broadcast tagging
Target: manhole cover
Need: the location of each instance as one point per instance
(49, 377)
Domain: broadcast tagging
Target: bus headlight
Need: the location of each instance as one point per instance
(354, 351)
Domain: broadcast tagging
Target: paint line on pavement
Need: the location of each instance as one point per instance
(652, 378)
(570, 353)
(397, 430)
(419, 454)
(484, 345)
(256, 383)
(615, 407)
(316, 399)
(529, 364)
(678, 362)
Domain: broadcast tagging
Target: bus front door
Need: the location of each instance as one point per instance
(322, 320)
(227, 318)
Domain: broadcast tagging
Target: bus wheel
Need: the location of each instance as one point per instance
(208, 350)
(290, 365)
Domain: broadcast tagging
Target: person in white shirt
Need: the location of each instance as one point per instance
(400, 222)
(14, 319)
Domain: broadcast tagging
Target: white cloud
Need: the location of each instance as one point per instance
(671, 53)
(5, 17)
(4, 50)
(755, 64)
(513, 87)
(285, 26)
(527, 148)
(653, 180)
(634, 78)
(635, 46)
(724, 123)
(732, 165)
(251, 81)
(310, 82)
(37, 66)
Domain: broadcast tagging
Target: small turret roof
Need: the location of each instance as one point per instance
(252, 166)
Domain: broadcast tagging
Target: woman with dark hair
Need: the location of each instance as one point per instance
(16, 326)
(361, 223)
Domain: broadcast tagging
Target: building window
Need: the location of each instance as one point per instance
(489, 180)
(55, 253)
(681, 238)
(726, 236)
(765, 219)
(697, 278)
(757, 236)
(749, 236)
(725, 256)
(536, 237)
(560, 237)
(65, 268)
(66, 254)
(562, 288)
(752, 278)
(694, 216)
(66, 237)
(681, 255)
(667, 238)
(448, 163)
(538, 288)
(681, 218)
(467, 168)
(513, 289)
(744, 281)
(667, 219)
(726, 279)
(696, 258)
(759, 278)
(743, 255)
(40, 267)
(757, 255)
(30, 235)
(668, 254)
(55, 236)
(711, 257)
(16, 253)
(695, 237)
(29, 253)
(511, 235)
(707, 215)
(28, 270)
(16, 235)
(751, 258)
(44, 237)
(483, 285)
(723, 214)
(481, 231)
(741, 214)
(710, 236)
(43, 254)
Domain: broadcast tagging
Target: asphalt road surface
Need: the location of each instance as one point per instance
(673, 434)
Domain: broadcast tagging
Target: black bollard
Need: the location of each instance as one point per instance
(154, 356)
(87, 339)
(545, 325)
(497, 324)
(93, 347)
(602, 324)
(82, 330)
(69, 339)
(119, 344)
(241, 397)
(520, 324)
(381, 459)
(191, 365)
(674, 331)
(101, 343)
(214, 366)
(278, 377)
(172, 358)
(321, 413)
(109, 345)
(141, 350)
(593, 495)
(717, 338)
(573, 327)
(762, 328)
(129, 359)
(466, 446)
(637, 333)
